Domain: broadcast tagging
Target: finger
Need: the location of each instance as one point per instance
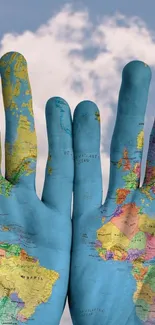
(127, 140)
(20, 138)
(149, 179)
(87, 165)
(57, 191)
(5, 186)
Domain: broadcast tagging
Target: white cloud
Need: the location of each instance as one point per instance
(54, 53)
(66, 318)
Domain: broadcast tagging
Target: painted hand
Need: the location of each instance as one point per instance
(35, 235)
(112, 279)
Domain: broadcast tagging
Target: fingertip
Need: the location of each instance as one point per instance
(58, 116)
(57, 103)
(11, 56)
(136, 72)
(86, 108)
(86, 127)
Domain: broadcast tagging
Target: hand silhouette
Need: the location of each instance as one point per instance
(35, 235)
(112, 278)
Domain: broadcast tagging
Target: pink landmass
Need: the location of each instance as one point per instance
(150, 246)
(127, 221)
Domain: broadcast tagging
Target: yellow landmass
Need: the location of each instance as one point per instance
(29, 106)
(10, 89)
(139, 285)
(146, 191)
(140, 140)
(146, 224)
(110, 236)
(22, 149)
(7, 93)
(29, 280)
(144, 292)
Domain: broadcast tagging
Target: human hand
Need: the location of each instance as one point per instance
(112, 278)
(35, 235)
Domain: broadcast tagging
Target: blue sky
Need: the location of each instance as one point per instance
(20, 15)
(85, 65)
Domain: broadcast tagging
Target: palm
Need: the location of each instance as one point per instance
(113, 252)
(34, 234)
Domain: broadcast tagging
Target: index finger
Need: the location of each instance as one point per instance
(20, 140)
(128, 136)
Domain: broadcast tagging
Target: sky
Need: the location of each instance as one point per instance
(77, 50)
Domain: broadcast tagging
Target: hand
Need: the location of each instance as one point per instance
(35, 235)
(112, 278)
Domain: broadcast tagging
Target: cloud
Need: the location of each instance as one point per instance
(59, 65)
(66, 318)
